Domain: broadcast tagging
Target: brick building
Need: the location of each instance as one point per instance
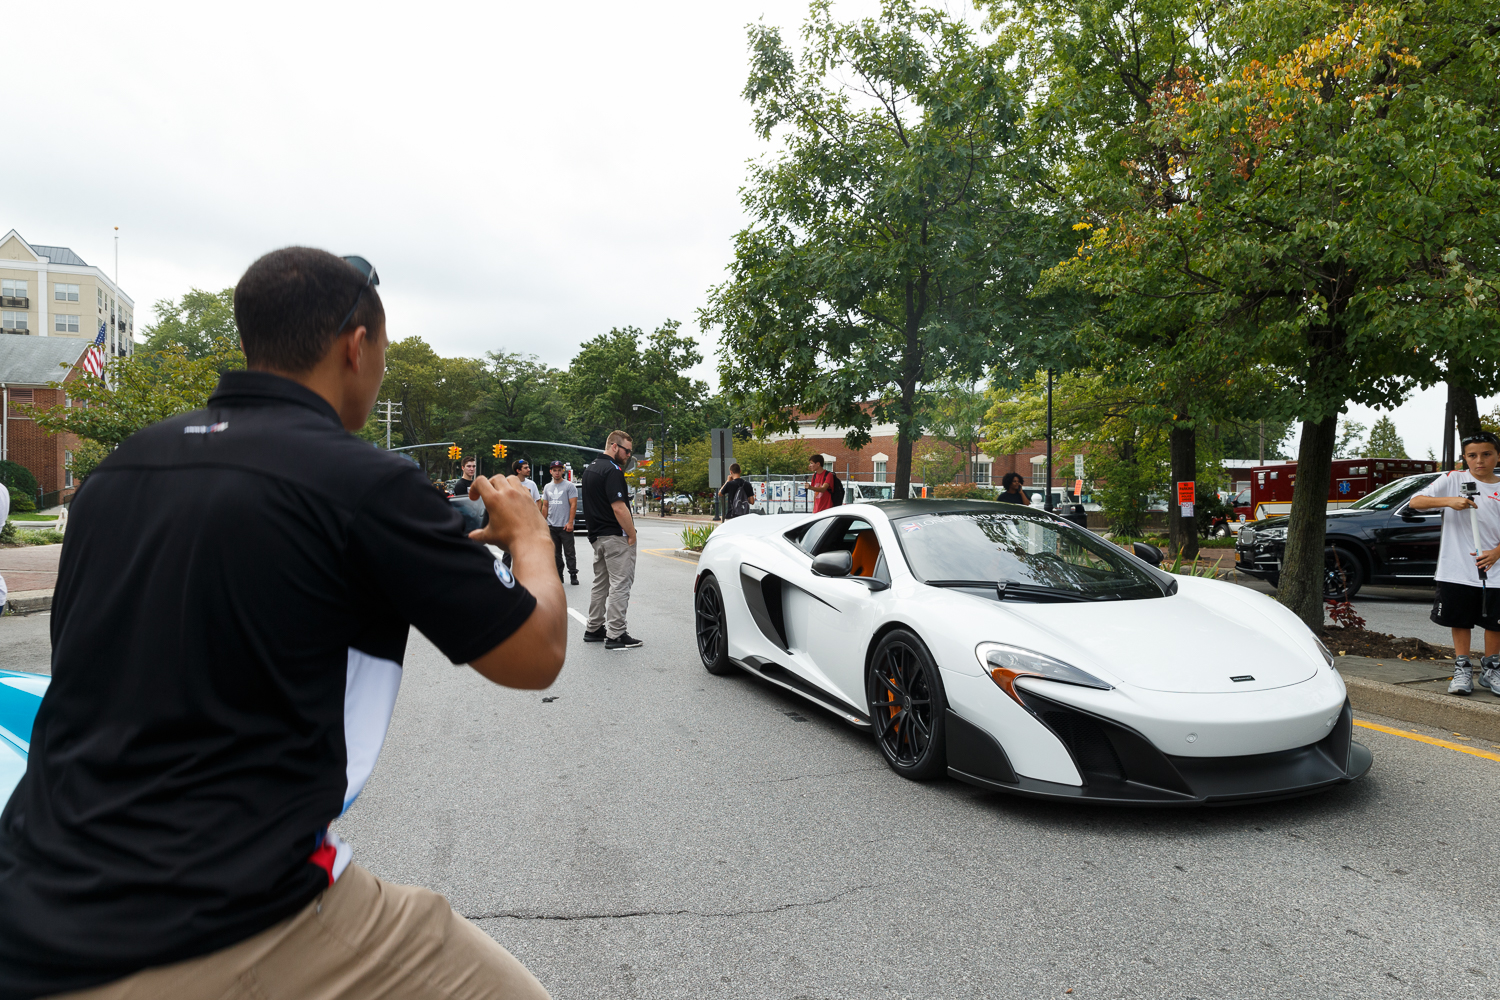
(876, 461)
(27, 364)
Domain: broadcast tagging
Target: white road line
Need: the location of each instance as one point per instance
(578, 616)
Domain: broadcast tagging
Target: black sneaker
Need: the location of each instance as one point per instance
(574, 581)
(625, 641)
(597, 635)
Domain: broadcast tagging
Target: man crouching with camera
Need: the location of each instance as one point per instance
(1470, 548)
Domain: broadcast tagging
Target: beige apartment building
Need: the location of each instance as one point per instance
(48, 291)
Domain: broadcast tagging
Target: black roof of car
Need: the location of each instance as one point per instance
(906, 508)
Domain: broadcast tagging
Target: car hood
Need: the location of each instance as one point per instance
(1193, 642)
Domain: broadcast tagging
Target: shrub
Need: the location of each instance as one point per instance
(42, 536)
(9, 534)
(87, 458)
(22, 503)
(18, 477)
(695, 536)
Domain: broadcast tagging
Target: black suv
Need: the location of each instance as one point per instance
(1377, 539)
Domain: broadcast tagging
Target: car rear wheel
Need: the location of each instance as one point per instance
(1221, 530)
(1343, 574)
(713, 637)
(907, 707)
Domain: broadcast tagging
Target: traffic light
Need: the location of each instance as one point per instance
(454, 451)
(497, 450)
(502, 451)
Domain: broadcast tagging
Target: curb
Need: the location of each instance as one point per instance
(1472, 718)
(24, 602)
(692, 554)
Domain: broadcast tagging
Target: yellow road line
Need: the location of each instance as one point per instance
(1474, 751)
(666, 554)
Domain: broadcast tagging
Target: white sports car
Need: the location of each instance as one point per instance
(1010, 649)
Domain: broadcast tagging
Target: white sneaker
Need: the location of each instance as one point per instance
(1463, 677)
(1489, 674)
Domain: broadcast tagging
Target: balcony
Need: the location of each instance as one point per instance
(15, 302)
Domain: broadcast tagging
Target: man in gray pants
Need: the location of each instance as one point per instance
(606, 507)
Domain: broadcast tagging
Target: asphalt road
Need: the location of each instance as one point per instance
(655, 831)
(659, 832)
(1398, 611)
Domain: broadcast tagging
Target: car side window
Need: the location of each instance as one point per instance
(806, 537)
(855, 536)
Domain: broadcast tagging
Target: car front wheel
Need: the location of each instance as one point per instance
(907, 707)
(713, 637)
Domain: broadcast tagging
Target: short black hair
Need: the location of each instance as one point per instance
(287, 304)
(815, 458)
(735, 468)
(516, 465)
(1010, 477)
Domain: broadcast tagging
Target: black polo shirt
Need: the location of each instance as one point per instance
(228, 627)
(603, 487)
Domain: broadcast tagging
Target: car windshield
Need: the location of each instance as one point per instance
(1020, 556)
(1392, 494)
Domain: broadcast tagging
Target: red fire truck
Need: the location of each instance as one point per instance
(1271, 485)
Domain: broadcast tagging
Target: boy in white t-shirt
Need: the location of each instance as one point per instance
(1459, 601)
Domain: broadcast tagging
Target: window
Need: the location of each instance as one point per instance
(22, 395)
(13, 321)
(982, 473)
(1039, 470)
(64, 323)
(68, 469)
(13, 289)
(101, 298)
(879, 474)
(65, 293)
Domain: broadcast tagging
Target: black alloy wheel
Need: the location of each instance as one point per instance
(713, 637)
(907, 708)
(1343, 574)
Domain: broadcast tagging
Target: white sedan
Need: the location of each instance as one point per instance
(1010, 649)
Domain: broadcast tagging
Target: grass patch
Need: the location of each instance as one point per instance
(33, 517)
(695, 536)
(42, 536)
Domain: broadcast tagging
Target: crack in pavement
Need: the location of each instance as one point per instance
(518, 915)
(799, 777)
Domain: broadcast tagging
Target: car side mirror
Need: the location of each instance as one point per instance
(1146, 552)
(833, 563)
(1407, 514)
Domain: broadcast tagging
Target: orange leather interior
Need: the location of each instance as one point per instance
(866, 554)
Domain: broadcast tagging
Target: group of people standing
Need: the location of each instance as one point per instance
(605, 501)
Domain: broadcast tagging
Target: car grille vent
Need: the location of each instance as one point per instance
(1085, 737)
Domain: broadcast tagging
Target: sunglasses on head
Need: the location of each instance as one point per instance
(1484, 437)
(371, 278)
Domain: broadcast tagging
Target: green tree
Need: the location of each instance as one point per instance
(201, 323)
(1351, 443)
(954, 413)
(1334, 218)
(614, 371)
(438, 396)
(1384, 441)
(885, 253)
(136, 391)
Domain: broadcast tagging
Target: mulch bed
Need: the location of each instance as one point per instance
(1363, 642)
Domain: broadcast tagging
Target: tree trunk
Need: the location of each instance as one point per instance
(903, 466)
(1301, 587)
(1465, 410)
(1182, 531)
(1447, 458)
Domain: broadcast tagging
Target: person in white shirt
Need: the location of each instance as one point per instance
(561, 508)
(1461, 599)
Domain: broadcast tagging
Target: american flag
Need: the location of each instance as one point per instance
(93, 358)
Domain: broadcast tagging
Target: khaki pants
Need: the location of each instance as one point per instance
(614, 573)
(362, 938)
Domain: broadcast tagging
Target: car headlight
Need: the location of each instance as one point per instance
(1006, 663)
(1247, 535)
(1271, 534)
(1327, 656)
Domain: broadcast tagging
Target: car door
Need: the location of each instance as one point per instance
(1406, 544)
(831, 619)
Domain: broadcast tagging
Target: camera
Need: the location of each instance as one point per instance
(1469, 489)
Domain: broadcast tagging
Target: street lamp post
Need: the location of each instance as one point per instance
(663, 453)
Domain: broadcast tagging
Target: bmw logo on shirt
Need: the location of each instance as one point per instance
(504, 574)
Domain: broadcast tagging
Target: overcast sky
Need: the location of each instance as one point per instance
(524, 177)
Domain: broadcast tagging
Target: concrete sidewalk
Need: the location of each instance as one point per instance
(30, 567)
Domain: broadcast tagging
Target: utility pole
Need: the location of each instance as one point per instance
(1047, 501)
(392, 413)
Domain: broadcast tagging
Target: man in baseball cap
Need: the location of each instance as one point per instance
(561, 498)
